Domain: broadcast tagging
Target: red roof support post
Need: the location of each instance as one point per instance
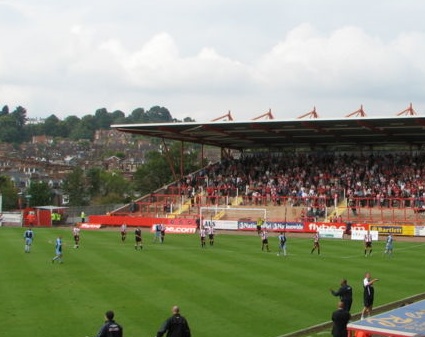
(358, 113)
(268, 115)
(311, 114)
(228, 115)
(408, 112)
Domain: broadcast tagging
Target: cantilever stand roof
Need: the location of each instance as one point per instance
(406, 321)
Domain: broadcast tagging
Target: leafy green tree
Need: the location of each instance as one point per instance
(114, 182)
(9, 131)
(9, 194)
(114, 187)
(74, 186)
(103, 119)
(158, 114)
(85, 129)
(152, 175)
(12, 124)
(93, 176)
(34, 130)
(20, 115)
(108, 187)
(69, 124)
(4, 111)
(52, 126)
(88, 123)
(118, 117)
(41, 194)
(137, 116)
(157, 172)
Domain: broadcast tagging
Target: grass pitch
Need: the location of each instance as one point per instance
(231, 289)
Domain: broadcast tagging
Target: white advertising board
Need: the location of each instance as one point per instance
(332, 233)
(359, 235)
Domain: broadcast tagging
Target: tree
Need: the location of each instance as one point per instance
(75, 187)
(9, 193)
(158, 114)
(69, 124)
(152, 175)
(34, 130)
(40, 194)
(4, 111)
(93, 176)
(85, 129)
(20, 115)
(9, 132)
(113, 188)
(12, 125)
(137, 116)
(52, 126)
(103, 119)
(118, 117)
(88, 123)
(156, 172)
(108, 187)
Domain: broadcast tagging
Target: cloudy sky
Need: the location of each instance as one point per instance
(203, 58)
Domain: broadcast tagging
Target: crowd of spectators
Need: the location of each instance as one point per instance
(314, 180)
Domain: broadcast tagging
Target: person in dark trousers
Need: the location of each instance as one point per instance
(345, 293)
(265, 240)
(282, 243)
(340, 318)
(28, 237)
(58, 250)
(123, 232)
(368, 244)
(175, 326)
(110, 328)
(163, 228)
(138, 239)
(316, 243)
(368, 295)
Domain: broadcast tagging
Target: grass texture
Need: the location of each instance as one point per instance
(228, 290)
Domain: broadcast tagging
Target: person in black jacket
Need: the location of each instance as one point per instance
(110, 328)
(340, 318)
(175, 326)
(138, 238)
(345, 293)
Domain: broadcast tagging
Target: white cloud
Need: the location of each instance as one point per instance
(201, 61)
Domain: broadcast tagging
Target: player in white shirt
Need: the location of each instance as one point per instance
(265, 240)
(316, 243)
(367, 244)
(211, 235)
(123, 232)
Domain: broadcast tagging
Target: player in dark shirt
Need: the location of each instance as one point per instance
(340, 319)
(138, 238)
(110, 328)
(345, 293)
(175, 326)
